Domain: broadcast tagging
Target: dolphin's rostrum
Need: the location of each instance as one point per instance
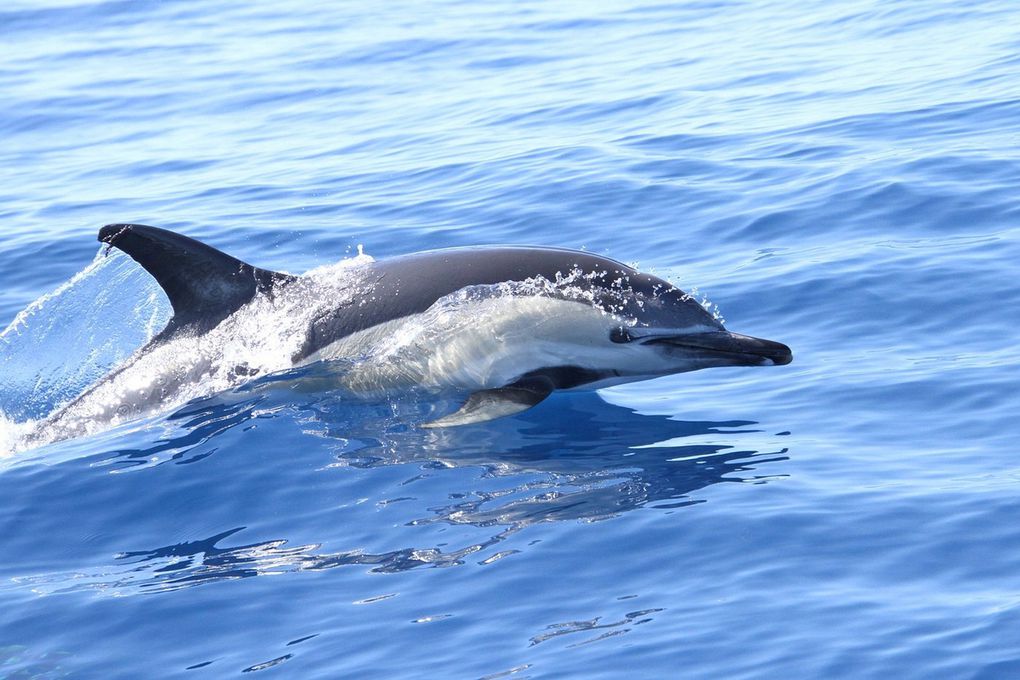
(538, 319)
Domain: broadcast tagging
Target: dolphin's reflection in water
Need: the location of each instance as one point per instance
(575, 457)
(595, 460)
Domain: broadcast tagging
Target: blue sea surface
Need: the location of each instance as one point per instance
(841, 176)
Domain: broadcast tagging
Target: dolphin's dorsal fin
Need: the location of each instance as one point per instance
(203, 284)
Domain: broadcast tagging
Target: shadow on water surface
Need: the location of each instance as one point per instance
(575, 457)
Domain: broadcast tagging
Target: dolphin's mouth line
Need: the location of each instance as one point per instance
(743, 348)
(741, 357)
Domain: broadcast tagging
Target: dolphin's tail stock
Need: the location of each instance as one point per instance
(204, 285)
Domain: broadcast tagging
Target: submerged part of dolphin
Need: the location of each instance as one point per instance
(507, 324)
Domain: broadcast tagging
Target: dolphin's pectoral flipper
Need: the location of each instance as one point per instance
(491, 404)
(520, 395)
(204, 285)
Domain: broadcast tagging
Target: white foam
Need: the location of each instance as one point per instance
(12, 435)
(258, 339)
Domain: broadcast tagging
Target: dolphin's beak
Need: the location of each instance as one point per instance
(735, 349)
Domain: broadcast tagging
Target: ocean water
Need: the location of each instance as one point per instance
(839, 176)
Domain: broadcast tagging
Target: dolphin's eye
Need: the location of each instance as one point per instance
(620, 335)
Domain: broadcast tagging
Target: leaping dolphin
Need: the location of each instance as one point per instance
(515, 324)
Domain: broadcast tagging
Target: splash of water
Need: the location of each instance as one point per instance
(260, 338)
(69, 337)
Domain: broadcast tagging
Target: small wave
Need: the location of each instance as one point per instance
(517, 478)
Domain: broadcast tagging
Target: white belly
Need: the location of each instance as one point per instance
(475, 344)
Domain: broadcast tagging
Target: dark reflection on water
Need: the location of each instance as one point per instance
(612, 628)
(596, 459)
(575, 457)
(201, 420)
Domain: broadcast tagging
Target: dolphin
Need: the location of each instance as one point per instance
(506, 324)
